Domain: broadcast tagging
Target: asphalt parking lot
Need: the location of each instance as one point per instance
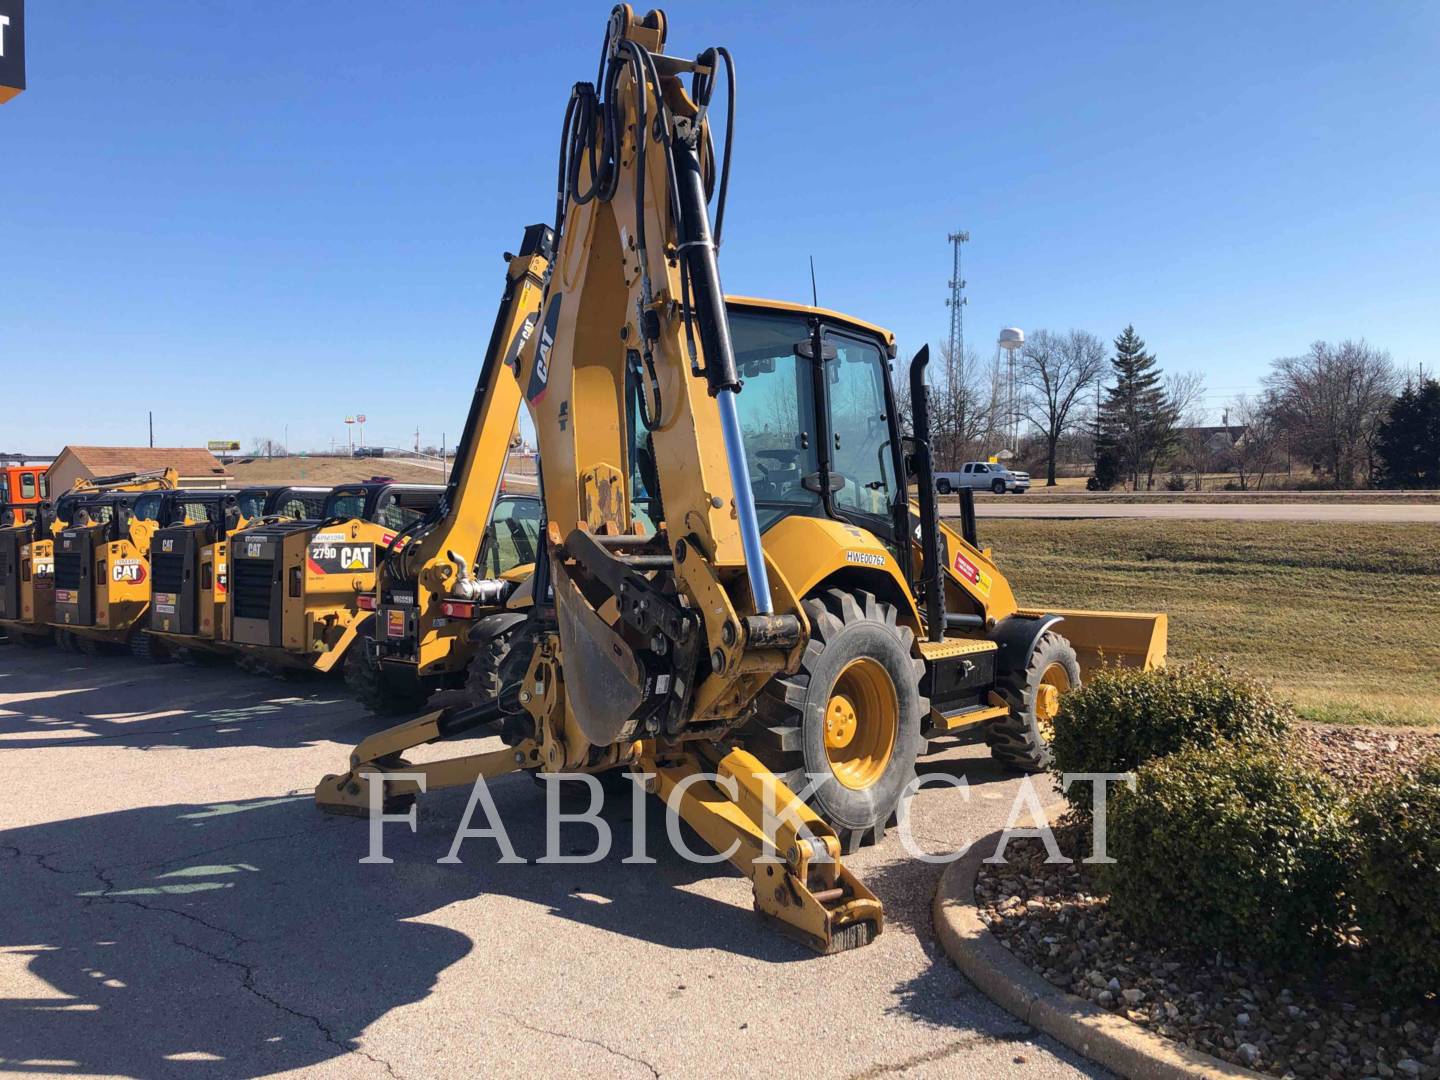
(171, 904)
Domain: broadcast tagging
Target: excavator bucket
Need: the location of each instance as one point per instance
(1118, 638)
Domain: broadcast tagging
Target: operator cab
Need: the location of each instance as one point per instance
(395, 506)
(291, 503)
(821, 436)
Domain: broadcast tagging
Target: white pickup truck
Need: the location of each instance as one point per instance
(983, 476)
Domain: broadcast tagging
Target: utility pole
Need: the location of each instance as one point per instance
(152, 429)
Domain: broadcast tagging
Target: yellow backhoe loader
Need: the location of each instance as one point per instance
(734, 586)
(189, 570)
(465, 564)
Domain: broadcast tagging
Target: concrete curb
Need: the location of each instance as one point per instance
(1113, 1041)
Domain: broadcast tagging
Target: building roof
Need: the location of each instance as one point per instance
(190, 462)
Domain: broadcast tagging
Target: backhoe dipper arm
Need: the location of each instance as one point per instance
(459, 520)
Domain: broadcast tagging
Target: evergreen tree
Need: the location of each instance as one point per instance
(1409, 438)
(1136, 417)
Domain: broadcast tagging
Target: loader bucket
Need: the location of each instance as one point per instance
(1120, 638)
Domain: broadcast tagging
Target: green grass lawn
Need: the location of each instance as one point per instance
(1342, 619)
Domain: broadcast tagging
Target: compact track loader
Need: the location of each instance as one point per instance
(734, 587)
(189, 567)
(295, 587)
(102, 567)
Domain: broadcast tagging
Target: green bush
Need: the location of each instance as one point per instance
(1123, 717)
(1395, 880)
(1230, 847)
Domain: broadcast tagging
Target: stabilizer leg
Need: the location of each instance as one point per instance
(349, 793)
(791, 856)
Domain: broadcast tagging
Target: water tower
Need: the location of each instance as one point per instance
(1011, 338)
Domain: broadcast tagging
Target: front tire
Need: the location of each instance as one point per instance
(1022, 739)
(998, 487)
(852, 714)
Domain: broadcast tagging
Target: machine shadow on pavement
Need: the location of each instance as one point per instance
(50, 699)
(247, 938)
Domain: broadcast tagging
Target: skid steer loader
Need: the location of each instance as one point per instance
(189, 567)
(295, 587)
(103, 571)
(27, 550)
(734, 586)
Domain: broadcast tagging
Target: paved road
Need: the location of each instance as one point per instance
(172, 905)
(1017, 506)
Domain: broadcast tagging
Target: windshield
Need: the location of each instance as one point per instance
(513, 536)
(300, 505)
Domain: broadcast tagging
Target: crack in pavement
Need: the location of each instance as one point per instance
(247, 983)
(40, 858)
(940, 1053)
(581, 1039)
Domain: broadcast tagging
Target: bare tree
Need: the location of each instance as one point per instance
(1182, 408)
(1332, 401)
(963, 407)
(1055, 370)
(1254, 452)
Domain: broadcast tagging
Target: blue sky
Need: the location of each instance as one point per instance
(260, 216)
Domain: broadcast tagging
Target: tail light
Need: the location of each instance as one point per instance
(458, 609)
(365, 602)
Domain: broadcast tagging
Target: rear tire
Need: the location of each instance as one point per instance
(65, 641)
(367, 682)
(36, 641)
(943, 486)
(852, 714)
(1022, 739)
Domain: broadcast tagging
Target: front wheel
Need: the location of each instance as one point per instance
(998, 487)
(1022, 739)
(850, 716)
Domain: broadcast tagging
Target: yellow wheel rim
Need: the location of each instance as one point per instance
(862, 719)
(1053, 683)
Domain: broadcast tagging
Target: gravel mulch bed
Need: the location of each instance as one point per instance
(1362, 755)
(1053, 918)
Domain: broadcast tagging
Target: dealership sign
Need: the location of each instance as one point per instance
(12, 48)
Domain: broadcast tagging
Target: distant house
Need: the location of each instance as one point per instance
(1215, 439)
(197, 468)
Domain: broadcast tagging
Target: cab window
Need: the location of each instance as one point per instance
(345, 505)
(44, 485)
(193, 511)
(27, 485)
(864, 459)
(513, 536)
(401, 509)
(251, 504)
(147, 507)
(301, 507)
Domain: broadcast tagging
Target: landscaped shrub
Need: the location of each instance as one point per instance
(1230, 847)
(1395, 880)
(1123, 717)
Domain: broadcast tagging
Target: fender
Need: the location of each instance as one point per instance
(492, 626)
(1016, 637)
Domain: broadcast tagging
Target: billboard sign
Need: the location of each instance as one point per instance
(12, 48)
(222, 446)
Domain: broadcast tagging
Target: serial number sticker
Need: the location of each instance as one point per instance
(865, 558)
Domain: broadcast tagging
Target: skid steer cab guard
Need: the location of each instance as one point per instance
(27, 567)
(190, 568)
(295, 587)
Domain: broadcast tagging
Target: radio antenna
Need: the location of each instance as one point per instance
(814, 294)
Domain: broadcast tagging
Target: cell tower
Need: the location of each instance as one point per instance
(956, 303)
